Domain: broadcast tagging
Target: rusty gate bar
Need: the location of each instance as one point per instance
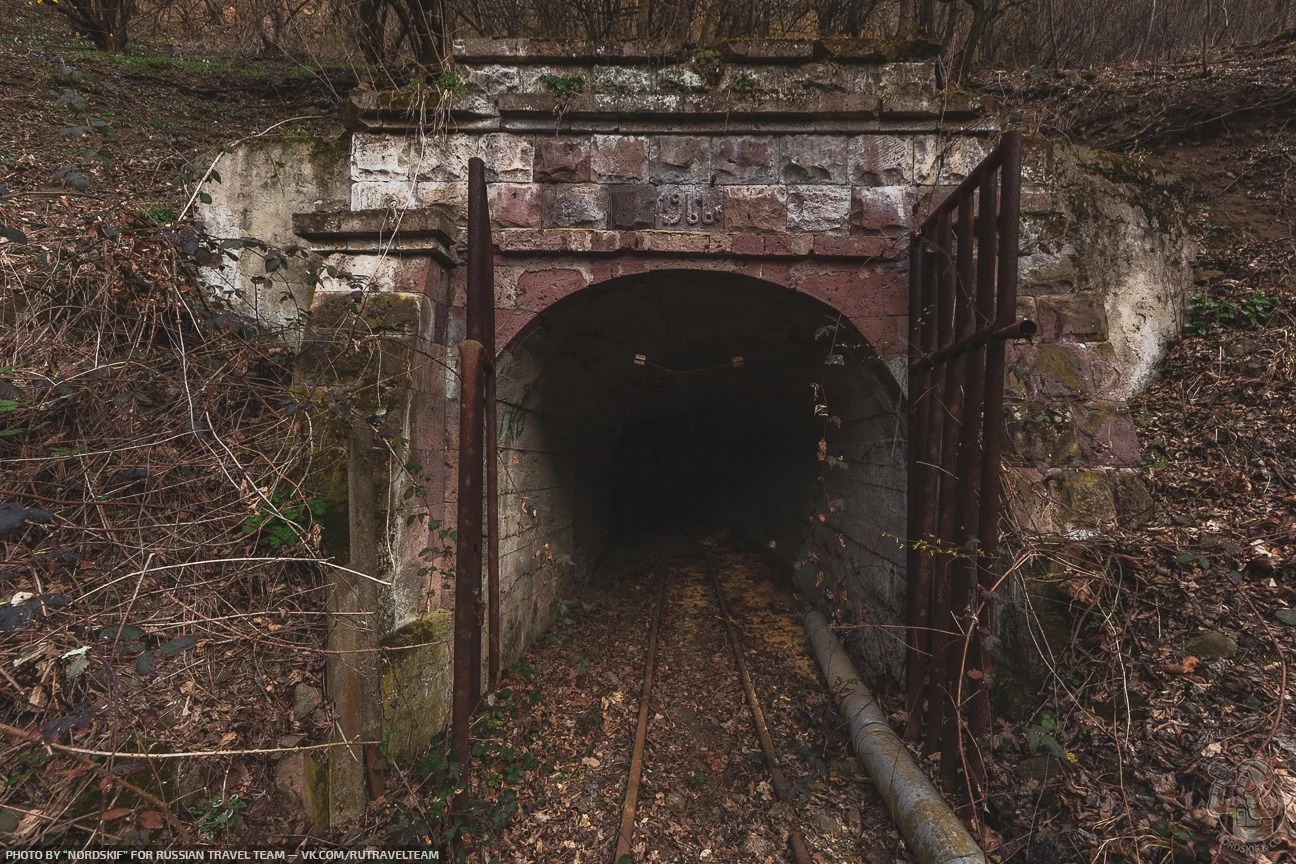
(468, 544)
(1005, 312)
(923, 400)
(962, 302)
(481, 326)
(475, 326)
(919, 588)
(943, 453)
(965, 496)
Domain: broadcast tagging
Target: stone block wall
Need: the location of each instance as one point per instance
(740, 184)
(1105, 271)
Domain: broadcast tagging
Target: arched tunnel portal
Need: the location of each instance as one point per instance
(686, 397)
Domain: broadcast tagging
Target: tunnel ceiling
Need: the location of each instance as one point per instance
(689, 326)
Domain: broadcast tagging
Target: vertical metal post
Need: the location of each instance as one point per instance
(924, 455)
(468, 545)
(919, 577)
(964, 483)
(953, 320)
(481, 326)
(943, 432)
(1005, 312)
(987, 237)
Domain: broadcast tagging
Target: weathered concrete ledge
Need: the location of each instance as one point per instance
(760, 85)
(530, 241)
(426, 231)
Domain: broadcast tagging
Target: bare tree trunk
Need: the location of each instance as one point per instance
(925, 20)
(904, 19)
(1052, 30)
(371, 20)
(427, 32)
(1147, 35)
(977, 31)
(1205, 40)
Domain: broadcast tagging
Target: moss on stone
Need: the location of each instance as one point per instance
(1056, 363)
(435, 626)
(1041, 434)
(382, 312)
(1086, 499)
(316, 793)
(416, 680)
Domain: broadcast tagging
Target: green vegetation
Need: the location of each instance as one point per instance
(215, 814)
(283, 525)
(564, 85)
(1206, 313)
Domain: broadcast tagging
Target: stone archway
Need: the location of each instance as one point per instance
(711, 391)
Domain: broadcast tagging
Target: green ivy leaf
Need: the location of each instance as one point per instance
(176, 646)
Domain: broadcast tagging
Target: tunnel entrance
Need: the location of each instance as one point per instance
(710, 398)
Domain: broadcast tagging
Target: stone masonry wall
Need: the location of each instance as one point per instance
(801, 164)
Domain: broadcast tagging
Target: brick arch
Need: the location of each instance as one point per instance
(865, 281)
(570, 394)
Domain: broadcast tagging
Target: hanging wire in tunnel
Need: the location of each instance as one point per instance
(734, 363)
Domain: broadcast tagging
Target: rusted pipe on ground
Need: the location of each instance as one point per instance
(800, 852)
(468, 545)
(931, 830)
(625, 834)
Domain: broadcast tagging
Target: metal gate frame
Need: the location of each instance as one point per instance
(962, 309)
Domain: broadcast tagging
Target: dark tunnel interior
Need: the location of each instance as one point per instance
(695, 398)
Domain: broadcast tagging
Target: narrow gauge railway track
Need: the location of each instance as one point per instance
(623, 854)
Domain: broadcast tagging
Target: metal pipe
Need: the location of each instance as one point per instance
(481, 326)
(1023, 329)
(931, 830)
(625, 834)
(467, 545)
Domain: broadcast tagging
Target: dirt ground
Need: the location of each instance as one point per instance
(572, 704)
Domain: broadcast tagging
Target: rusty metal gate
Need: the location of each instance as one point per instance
(962, 309)
(962, 301)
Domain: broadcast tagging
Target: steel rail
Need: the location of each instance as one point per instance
(625, 833)
(800, 852)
